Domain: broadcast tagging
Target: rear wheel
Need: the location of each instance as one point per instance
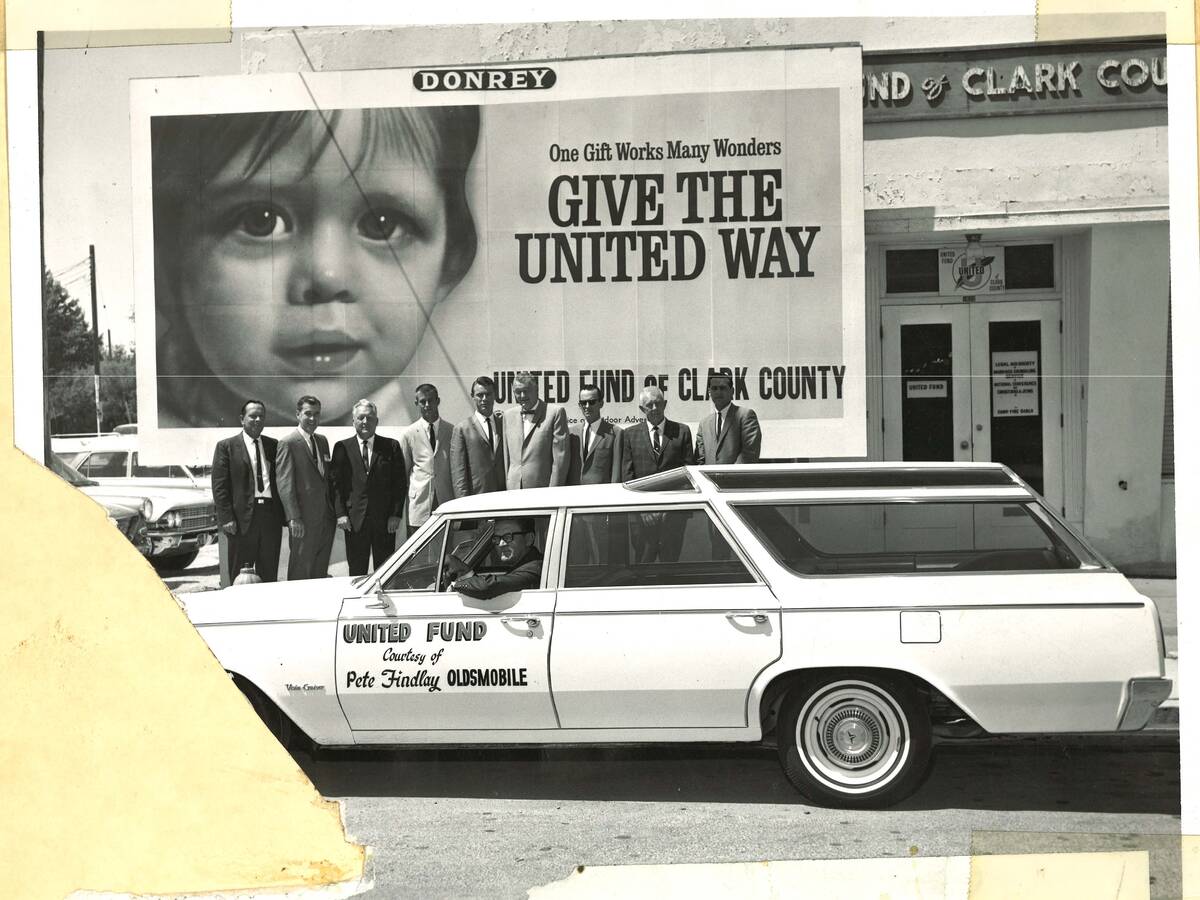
(854, 740)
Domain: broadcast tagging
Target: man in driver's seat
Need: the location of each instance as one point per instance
(514, 543)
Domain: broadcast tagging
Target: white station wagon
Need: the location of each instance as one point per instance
(845, 613)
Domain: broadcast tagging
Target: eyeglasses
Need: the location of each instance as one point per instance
(507, 537)
(589, 402)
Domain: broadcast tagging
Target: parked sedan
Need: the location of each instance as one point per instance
(845, 614)
(129, 517)
(180, 520)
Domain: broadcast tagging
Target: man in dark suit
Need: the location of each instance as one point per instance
(369, 486)
(245, 491)
(515, 545)
(596, 447)
(659, 444)
(535, 439)
(730, 434)
(303, 464)
(477, 444)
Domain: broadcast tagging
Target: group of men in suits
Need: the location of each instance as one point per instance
(363, 487)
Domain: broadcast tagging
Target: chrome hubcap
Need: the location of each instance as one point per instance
(852, 736)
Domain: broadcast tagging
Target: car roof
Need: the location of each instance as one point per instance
(813, 481)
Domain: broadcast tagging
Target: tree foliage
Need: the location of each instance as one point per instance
(69, 379)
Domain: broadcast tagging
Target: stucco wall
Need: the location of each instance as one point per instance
(1126, 366)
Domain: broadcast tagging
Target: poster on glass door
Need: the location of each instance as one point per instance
(1015, 383)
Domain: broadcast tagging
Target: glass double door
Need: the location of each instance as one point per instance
(976, 382)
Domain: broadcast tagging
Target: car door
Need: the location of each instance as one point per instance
(660, 621)
(412, 655)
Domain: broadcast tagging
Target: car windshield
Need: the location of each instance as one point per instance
(65, 472)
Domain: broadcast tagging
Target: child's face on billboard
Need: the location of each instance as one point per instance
(299, 270)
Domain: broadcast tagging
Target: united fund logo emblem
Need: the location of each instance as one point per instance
(972, 272)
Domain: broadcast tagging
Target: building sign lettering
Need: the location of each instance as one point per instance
(1010, 81)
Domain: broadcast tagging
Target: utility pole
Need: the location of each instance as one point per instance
(95, 333)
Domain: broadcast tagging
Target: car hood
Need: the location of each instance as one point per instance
(162, 500)
(316, 599)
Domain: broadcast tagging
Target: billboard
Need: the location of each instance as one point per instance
(626, 221)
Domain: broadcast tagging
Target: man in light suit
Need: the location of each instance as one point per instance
(426, 448)
(246, 494)
(596, 447)
(477, 444)
(535, 439)
(302, 462)
(369, 484)
(730, 434)
(658, 444)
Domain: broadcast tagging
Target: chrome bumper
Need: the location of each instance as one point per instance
(1145, 694)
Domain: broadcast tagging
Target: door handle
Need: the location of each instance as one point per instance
(758, 616)
(529, 622)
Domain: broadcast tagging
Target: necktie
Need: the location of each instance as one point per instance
(258, 482)
(657, 445)
(491, 437)
(366, 460)
(432, 439)
(316, 457)
(587, 433)
(720, 416)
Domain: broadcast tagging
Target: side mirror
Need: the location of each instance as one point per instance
(381, 598)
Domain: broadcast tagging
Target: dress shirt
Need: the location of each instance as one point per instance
(588, 441)
(527, 423)
(266, 470)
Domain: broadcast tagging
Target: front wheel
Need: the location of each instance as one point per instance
(854, 740)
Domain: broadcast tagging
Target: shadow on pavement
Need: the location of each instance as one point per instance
(1138, 774)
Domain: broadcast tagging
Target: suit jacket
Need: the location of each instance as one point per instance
(427, 468)
(540, 460)
(676, 440)
(303, 490)
(474, 467)
(605, 453)
(739, 441)
(233, 479)
(373, 495)
(524, 576)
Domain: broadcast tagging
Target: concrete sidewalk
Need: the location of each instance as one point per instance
(1162, 592)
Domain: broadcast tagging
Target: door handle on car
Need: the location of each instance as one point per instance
(530, 622)
(758, 616)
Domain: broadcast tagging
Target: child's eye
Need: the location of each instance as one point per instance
(261, 221)
(384, 224)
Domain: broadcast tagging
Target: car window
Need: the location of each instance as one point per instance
(104, 464)
(140, 471)
(419, 572)
(460, 546)
(663, 546)
(889, 538)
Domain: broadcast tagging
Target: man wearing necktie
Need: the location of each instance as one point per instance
(476, 444)
(302, 462)
(369, 484)
(426, 448)
(730, 434)
(656, 445)
(535, 438)
(245, 492)
(596, 446)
